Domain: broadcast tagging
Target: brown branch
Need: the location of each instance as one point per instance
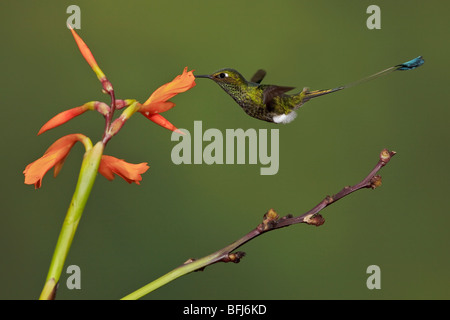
(271, 220)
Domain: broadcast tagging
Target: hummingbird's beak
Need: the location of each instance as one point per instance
(203, 76)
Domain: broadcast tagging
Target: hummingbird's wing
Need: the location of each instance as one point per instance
(272, 91)
(258, 76)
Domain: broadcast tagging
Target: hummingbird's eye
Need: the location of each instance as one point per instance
(223, 75)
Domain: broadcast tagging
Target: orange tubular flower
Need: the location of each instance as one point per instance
(157, 103)
(128, 171)
(54, 157)
(63, 117)
(181, 83)
(87, 54)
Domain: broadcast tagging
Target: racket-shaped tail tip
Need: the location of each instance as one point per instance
(412, 64)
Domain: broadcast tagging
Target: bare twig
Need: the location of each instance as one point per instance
(271, 221)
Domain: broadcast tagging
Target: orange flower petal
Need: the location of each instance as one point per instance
(163, 122)
(63, 117)
(156, 107)
(53, 157)
(181, 83)
(129, 172)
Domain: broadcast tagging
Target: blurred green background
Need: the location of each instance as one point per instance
(129, 235)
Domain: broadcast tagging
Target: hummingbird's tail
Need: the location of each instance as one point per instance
(409, 65)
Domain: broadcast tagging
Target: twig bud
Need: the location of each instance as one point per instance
(375, 182)
(234, 257)
(269, 220)
(315, 220)
(386, 155)
(189, 261)
(271, 215)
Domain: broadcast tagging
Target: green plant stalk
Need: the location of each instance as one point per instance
(86, 178)
(172, 275)
(190, 267)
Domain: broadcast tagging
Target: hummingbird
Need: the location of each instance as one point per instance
(271, 103)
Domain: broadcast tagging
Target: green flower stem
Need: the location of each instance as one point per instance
(88, 173)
